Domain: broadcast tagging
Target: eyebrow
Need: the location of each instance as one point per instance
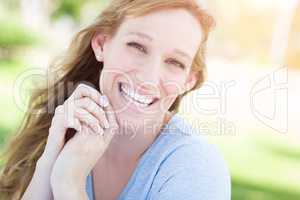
(142, 35)
(145, 36)
(177, 51)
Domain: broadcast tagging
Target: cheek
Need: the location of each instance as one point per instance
(116, 64)
(173, 84)
(172, 89)
(120, 60)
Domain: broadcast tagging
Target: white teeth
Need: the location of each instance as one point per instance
(141, 99)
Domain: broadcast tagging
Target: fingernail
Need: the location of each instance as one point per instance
(104, 101)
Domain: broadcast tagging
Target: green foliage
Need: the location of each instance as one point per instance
(70, 8)
(13, 35)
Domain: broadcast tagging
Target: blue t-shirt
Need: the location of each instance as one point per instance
(180, 164)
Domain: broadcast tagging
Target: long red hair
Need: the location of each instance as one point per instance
(79, 64)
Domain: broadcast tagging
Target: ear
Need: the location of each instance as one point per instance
(190, 81)
(97, 43)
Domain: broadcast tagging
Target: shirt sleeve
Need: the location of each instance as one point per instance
(204, 179)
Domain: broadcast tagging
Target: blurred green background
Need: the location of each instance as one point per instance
(255, 127)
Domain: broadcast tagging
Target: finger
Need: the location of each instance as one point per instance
(74, 123)
(110, 113)
(85, 129)
(91, 131)
(84, 90)
(103, 101)
(86, 117)
(99, 132)
(111, 117)
(88, 104)
(70, 121)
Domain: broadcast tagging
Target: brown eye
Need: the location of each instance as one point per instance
(137, 46)
(177, 63)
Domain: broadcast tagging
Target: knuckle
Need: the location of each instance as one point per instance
(89, 104)
(75, 113)
(86, 101)
(79, 88)
(58, 109)
(78, 112)
(81, 85)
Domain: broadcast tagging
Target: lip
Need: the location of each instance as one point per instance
(124, 98)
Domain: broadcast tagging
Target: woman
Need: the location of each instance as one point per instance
(126, 74)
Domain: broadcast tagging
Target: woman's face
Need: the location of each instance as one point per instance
(147, 64)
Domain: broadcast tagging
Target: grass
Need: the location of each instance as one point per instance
(246, 190)
(263, 166)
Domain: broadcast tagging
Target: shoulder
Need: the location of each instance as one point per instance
(198, 158)
(186, 144)
(194, 166)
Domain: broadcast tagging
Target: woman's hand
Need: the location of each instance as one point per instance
(82, 106)
(79, 156)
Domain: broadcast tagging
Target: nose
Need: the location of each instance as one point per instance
(150, 74)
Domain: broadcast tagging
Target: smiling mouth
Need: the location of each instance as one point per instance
(138, 99)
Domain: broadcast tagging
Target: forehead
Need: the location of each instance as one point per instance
(176, 28)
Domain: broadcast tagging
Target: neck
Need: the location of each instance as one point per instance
(129, 145)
